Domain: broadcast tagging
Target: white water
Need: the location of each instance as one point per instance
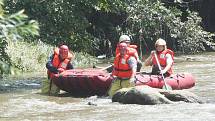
(28, 105)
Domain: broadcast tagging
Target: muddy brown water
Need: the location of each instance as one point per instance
(28, 105)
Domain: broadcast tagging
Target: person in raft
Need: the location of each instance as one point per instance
(57, 63)
(132, 48)
(165, 58)
(124, 71)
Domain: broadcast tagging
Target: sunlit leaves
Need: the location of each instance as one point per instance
(190, 34)
(90, 22)
(157, 21)
(14, 27)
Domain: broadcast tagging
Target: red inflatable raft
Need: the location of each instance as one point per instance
(97, 82)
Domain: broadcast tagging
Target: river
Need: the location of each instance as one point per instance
(27, 104)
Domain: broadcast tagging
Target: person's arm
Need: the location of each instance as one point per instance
(133, 65)
(169, 62)
(148, 61)
(137, 56)
(50, 66)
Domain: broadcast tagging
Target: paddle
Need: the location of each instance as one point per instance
(108, 68)
(105, 68)
(166, 86)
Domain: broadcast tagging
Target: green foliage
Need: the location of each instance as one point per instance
(83, 60)
(4, 68)
(84, 25)
(32, 57)
(156, 21)
(29, 57)
(14, 27)
(190, 35)
(62, 21)
(71, 21)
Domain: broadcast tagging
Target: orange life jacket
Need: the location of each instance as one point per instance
(56, 62)
(121, 67)
(162, 59)
(132, 50)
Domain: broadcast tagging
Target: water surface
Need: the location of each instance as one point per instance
(28, 104)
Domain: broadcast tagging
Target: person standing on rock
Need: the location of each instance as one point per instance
(124, 71)
(131, 47)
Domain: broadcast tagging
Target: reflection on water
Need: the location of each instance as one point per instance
(29, 105)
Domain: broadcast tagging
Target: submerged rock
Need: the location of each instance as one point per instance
(146, 95)
(181, 95)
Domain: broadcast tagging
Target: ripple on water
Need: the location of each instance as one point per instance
(29, 105)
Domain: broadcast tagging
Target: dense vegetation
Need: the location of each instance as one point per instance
(13, 27)
(94, 26)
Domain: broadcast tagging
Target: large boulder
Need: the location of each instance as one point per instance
(146, 95)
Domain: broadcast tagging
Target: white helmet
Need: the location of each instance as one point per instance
(160, 42)
(124, 38)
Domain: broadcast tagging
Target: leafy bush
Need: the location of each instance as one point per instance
(153, 20)
(83, 60)
(190, 35)
(85, 25)
(32, 57)
(13, 27)
(29, 57)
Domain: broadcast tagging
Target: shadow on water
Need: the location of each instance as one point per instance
(76, 95)
(73, 95)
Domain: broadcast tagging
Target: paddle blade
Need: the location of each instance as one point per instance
(167, 87)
